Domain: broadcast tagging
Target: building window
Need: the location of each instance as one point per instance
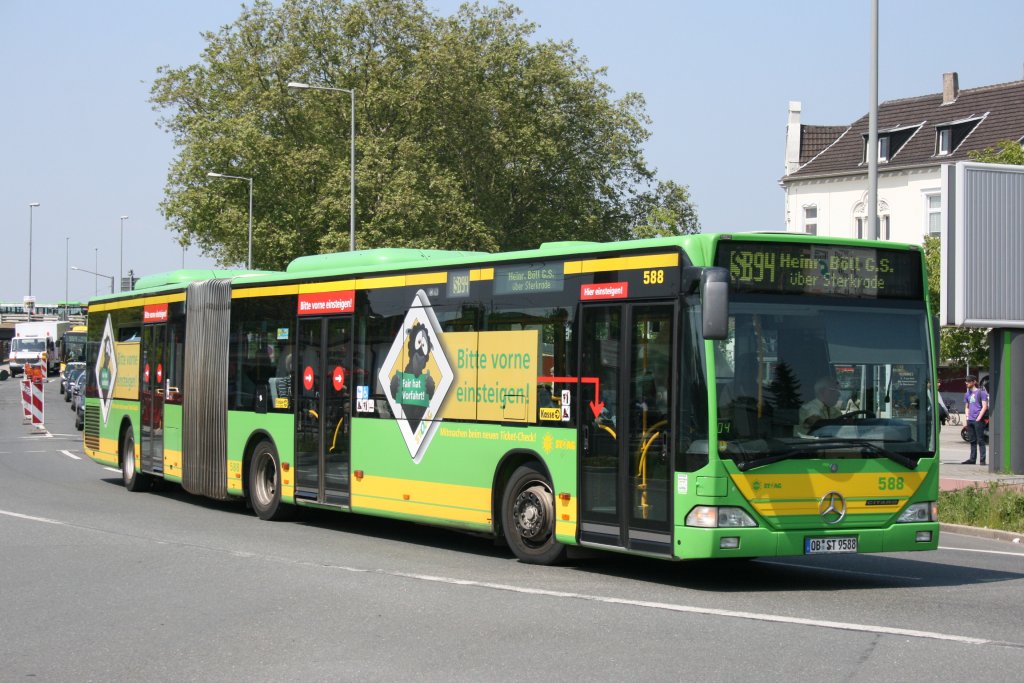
(883, 148)
(865, 233)
(933, 203)
(945, 141)
(811, 220)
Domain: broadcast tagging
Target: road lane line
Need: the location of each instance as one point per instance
(645, 604)
(70, 455)
(31, 518)
(111, 469)
(753, 616)
(975, 550)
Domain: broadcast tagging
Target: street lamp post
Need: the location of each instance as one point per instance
(93, 272)
(120, 273)
(67, 256)
(352, 155)
(211, 174)
(31, 206)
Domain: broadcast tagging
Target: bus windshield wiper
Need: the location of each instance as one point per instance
(828, 444)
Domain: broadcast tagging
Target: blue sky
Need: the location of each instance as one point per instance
(79, 136)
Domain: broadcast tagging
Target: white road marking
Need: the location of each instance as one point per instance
(754, 616)
(31, 518)
(975, 550)
(111, 469)
(70, 455)
(666, 606)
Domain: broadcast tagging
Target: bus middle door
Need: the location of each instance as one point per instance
(322, 420)
(627, 356)
(154, 366)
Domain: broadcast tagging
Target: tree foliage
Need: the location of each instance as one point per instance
(1005, 152)
(470, 135)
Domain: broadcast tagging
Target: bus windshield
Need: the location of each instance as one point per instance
(824, 378)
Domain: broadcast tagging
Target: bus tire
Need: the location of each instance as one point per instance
(265, 483)
(528, 517)
(133, 479)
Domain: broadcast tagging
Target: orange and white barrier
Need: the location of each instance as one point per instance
(32, 395)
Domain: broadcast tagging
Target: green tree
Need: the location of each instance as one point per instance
(1005, 152)
(667, 211)
(470, 135)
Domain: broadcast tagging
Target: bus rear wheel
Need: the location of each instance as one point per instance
(265, 483)
(528, 517)
(133, 479)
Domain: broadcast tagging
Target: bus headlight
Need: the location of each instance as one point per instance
(920, 512)
(710, 517)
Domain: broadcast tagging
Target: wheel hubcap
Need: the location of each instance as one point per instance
(533, 513)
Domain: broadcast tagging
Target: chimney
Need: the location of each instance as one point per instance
(950, 88)
(793, 138)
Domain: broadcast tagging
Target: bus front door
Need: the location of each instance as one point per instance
(626, 365)
(151, 384)
(322, 430)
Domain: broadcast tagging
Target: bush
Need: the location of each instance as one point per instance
(993, 507)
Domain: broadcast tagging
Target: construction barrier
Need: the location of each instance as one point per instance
(36, 408)
(26, 400)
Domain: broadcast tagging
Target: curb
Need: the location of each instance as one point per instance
(982, 532)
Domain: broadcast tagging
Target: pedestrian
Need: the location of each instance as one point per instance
(976, 400)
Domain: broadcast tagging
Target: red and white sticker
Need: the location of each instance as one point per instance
(307, 378)
(154, 313)
(159, 373)
(324, 303)
(338, 378)
(145, 374)
(605, 290)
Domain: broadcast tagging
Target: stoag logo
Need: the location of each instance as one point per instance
(106, 370)
(416, 376)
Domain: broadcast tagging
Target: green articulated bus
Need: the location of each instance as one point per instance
(707, 396)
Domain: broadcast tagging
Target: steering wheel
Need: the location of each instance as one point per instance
(856, 415)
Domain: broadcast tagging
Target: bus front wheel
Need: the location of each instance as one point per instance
(528, 517)
(265, 483)
(133, 479)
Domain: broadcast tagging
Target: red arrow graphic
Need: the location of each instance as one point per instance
(597, 405)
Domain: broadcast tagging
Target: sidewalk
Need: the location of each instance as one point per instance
(952, 475)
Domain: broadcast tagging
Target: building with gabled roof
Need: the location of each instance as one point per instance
(826, 181)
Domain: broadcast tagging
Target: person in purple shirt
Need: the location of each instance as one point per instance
(976, 402)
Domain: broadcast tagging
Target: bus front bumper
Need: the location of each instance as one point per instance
(696, 543)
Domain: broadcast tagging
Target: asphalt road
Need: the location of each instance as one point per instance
(98, 584)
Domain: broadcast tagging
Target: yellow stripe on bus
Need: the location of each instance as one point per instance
(380, 282)
(276, 290)
(622, 263)
(800, 494)
(333, 286)
(481, 274)
(138, 301)
(455, 502)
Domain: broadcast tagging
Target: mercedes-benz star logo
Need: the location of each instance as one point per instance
(832, 507)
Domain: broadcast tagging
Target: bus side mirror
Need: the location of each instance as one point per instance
(714, 296)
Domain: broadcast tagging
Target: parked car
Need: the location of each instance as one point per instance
(70, 370)
(80, 412)
(78, 391)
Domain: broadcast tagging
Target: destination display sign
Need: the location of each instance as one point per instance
(830, 270)
(529, 278)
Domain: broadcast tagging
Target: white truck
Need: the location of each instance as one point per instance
(34, 339)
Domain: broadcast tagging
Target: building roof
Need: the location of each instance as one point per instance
(838, 150)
